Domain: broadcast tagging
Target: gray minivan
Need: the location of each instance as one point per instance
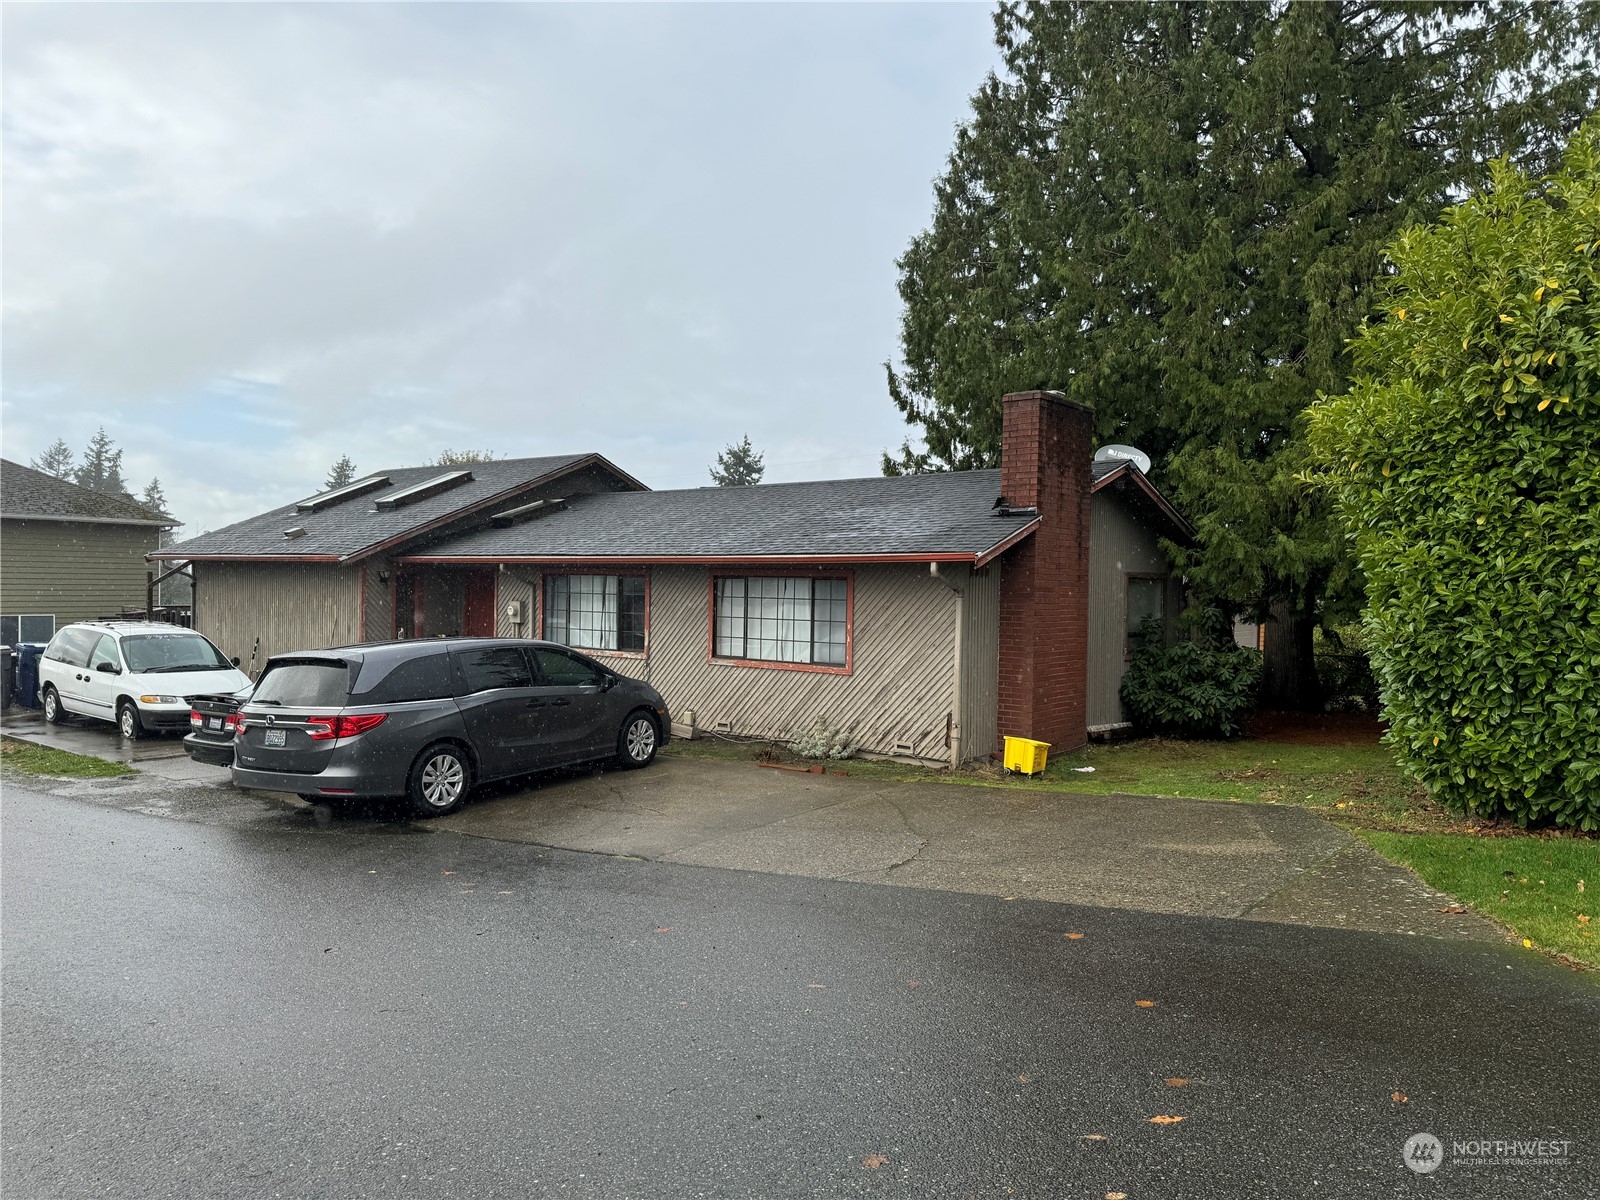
(429, 719)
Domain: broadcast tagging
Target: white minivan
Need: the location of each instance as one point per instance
(139, 674)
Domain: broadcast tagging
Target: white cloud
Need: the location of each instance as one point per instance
(248, 239)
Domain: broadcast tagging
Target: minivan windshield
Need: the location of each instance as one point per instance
(154, 653)
(321, 684)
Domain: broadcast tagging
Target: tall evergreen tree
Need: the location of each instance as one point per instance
(341, 473)
(1177, 212)
(57, 460)
(154, 498)
(738, 466)
(101, 468)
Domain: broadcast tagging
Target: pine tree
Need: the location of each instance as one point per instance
(1178, 212)
(101, 468)
(738, 466)
(154, 498)
(55, 461)
(341, 473)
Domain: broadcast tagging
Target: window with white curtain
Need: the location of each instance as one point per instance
(595, 612)
(769, 618)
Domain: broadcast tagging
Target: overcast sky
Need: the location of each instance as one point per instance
(247, 239)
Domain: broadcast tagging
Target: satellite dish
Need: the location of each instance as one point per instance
(1124, 454)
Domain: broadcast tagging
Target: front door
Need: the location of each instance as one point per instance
(477, 606)
(575, 723)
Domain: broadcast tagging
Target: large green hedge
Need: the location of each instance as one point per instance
(1465, 461)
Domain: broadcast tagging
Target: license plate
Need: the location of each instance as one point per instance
(213, 722)
(275, 737)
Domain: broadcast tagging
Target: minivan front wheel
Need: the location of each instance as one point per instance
(638, 740)
(128, 720)
(439, 781)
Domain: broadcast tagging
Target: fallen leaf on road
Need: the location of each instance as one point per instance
(1527, 944)
(1163, 1119)
(821, 987)
(1116, 1196)
(913, 983)
(664, 929)
(1145, 1003)
(1583, 918)
(1074, 936)
(326, 949)
(873, 1161)
(1454, 908)
(1398, 1097)
(1094, 1137)
(1176, 1082)
(1024, 1079)
(447, 872)
(1008, 899)
(504, 893)
(371, 872)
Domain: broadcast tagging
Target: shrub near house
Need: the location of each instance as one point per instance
(1466, 464)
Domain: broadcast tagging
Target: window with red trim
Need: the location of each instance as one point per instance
(595, 612)
(771, 618)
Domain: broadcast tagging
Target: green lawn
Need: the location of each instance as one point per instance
(1547, 889)
(40, 760)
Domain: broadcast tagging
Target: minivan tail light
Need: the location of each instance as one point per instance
(233, 723)
(322, 729)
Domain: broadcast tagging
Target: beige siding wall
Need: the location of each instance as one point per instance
(899, 693)
(1119, 545)
(289, 607)
(73, 569)
(377, 615)
(980, 662)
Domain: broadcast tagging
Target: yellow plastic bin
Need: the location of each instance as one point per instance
(1025, 756)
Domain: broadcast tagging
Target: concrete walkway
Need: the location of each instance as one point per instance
(1198, 857)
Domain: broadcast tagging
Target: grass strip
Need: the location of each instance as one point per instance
(1545, 888)
(60, 764)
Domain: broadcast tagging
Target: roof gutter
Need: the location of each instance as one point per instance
(286, 559)
(696, 560)
(999, 548)
(13, 516)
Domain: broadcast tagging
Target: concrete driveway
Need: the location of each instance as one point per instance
(1198, 857)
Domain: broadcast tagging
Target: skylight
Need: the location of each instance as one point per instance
(526, 512)
(421, 491)
(358, 488)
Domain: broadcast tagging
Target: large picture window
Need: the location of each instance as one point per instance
(595, 612)
(782, 620)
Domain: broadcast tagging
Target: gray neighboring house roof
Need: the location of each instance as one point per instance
(358, 526)
(33, 495)
(949, 516)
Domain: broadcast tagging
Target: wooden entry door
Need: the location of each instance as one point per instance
(477, 609)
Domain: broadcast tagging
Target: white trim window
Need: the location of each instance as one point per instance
(595, 612)
(27, 627)
(768, 618)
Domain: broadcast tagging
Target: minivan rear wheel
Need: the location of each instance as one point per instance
(52, 706)
(440, 780)
(638, 740)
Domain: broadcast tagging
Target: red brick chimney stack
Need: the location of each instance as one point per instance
(1046, 445)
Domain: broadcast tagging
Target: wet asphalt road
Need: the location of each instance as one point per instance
(195, 1011)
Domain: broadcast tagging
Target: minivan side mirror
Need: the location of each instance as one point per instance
(109, 668)
(609, 682)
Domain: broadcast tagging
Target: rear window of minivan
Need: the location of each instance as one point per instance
(318, 683)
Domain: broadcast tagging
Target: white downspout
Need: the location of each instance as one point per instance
(955, 684)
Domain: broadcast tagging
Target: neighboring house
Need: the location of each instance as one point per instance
(68, 553)
(928, 615)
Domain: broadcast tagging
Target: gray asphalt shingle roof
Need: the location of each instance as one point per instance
(949, 513)
(25, 492)
(355, 525)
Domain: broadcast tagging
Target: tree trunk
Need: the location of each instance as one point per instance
(1289, 668)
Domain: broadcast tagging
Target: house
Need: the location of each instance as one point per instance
(68, 553)
(928, 615)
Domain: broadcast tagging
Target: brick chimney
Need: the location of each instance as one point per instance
(1046, 445)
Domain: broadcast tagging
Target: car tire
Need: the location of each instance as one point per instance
(440, 780)
(128, 723)
(638, 740)
(50, 701)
